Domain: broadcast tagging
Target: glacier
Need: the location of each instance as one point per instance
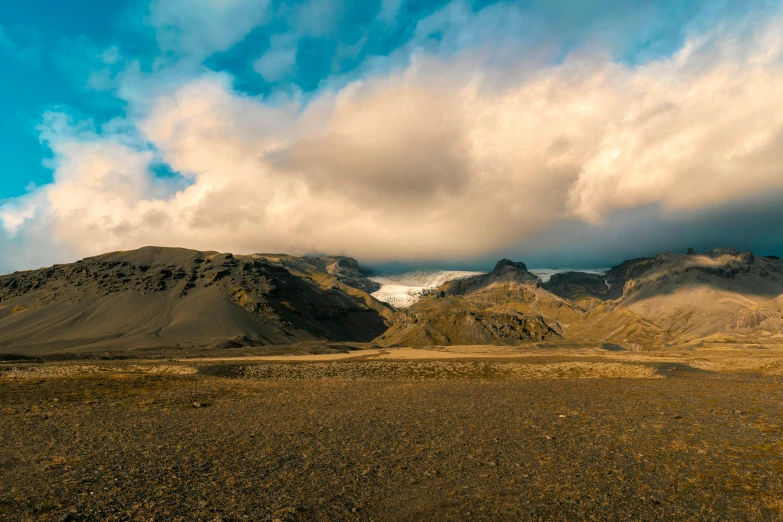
(404, 289)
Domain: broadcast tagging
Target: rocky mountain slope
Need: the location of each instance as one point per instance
(721, 295)
(717, 296)
(163, 297)
(168, 297)
(505, 306)
(711, 294)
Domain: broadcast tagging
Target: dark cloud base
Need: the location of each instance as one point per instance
(754, 224)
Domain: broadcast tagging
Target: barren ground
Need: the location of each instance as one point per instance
(465, 433)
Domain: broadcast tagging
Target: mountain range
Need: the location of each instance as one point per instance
(176, 298)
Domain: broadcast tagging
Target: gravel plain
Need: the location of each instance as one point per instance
(574, 439)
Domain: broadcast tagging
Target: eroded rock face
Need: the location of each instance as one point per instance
(726, 263)
(347, 270)
(619, 275)
(460, 326)
(578, 286)
(503, 263)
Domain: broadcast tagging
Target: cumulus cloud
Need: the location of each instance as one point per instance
(443, 158)
(394, 143)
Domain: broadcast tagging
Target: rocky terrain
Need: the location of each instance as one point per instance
(640, 304)
(675, 299)
(169, 384)
(495, 434)
(157, 298)
(580, 287)
(500, 307)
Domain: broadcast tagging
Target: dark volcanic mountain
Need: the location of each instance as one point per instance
(591, 289)
(169, 297)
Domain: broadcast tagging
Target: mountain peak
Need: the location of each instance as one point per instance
(503, 263)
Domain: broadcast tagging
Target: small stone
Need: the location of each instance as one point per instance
(67, 517)
(738, 412)
(196, 404)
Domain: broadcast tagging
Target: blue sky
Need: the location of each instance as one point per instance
(33, 36)
(92, 83)
(49, 46)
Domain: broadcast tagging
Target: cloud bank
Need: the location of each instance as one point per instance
(443, 156)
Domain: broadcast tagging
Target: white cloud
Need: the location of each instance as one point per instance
(14, 216)
(447, 157)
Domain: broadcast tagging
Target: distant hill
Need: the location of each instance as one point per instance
(176, 298)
